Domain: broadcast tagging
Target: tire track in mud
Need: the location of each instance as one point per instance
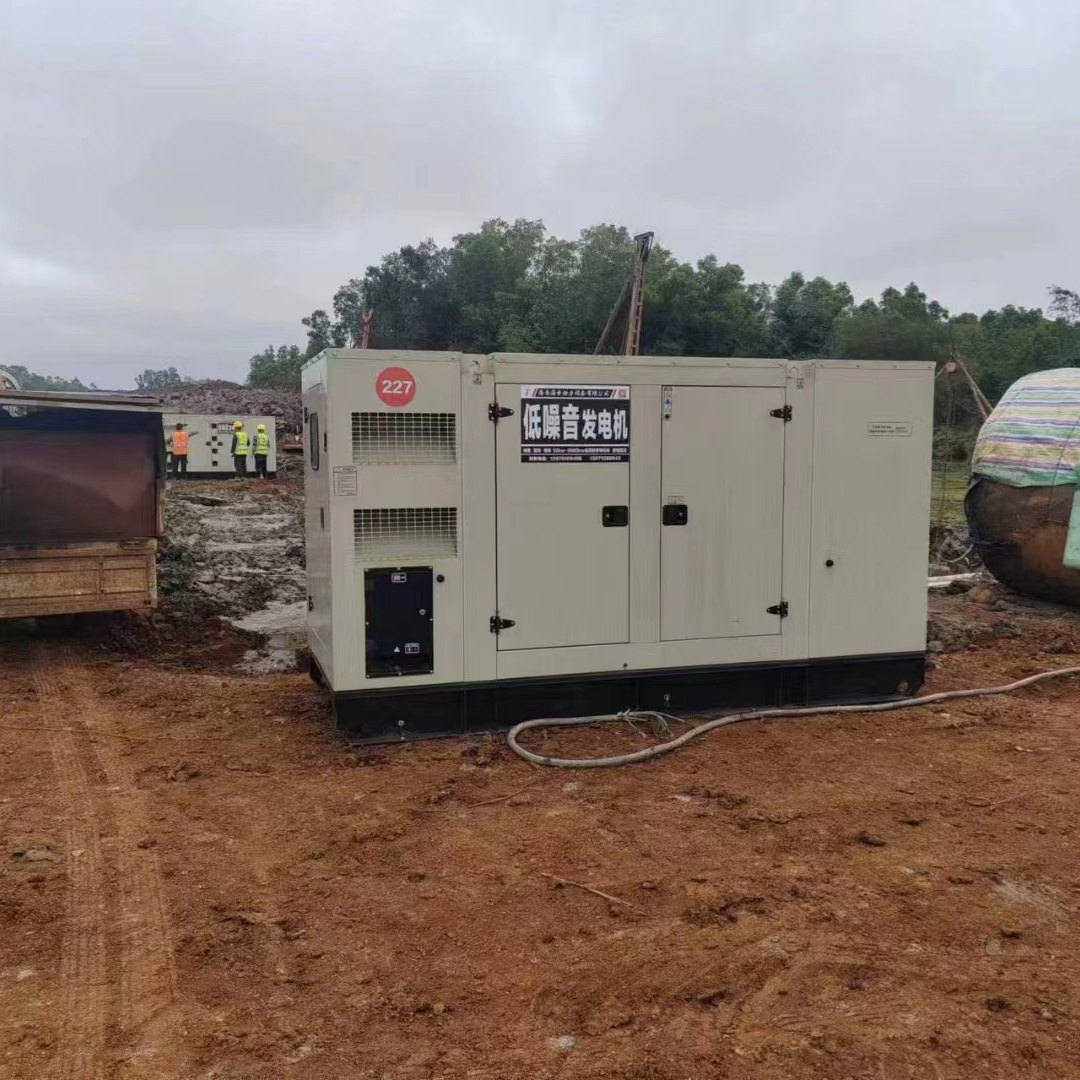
(83, 970)
(148, 973)
(118, 967)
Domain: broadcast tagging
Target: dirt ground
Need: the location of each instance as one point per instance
(202, 880)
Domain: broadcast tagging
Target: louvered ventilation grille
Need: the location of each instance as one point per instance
(415, 438)
(403, 533)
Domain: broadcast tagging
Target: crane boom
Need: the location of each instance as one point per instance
(631, 299)
(632, 345)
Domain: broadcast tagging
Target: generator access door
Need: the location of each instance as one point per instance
(722, 488)
(562, 476)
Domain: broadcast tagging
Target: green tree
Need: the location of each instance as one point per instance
(803, 315)
(563, 301)
(510, 286)
(484, 270)
(901, 326)
(31, 380)
(323, 332)
(542, 314)
(1065, 304)
(276, 368)
(409, 292)
(706, 310)
(1014, 341)
(164, 379)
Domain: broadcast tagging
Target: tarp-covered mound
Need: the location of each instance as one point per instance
(1033, 436)
(1022, 508)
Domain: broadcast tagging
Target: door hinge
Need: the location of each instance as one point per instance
(781, 414)
(495, 411)
(780, 609)
(496, 624)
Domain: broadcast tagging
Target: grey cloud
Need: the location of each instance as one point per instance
(179, 184)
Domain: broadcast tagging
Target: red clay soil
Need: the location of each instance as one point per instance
(201, 879)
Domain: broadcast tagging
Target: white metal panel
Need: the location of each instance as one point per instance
(210, 438)
(639, 370)
(420, 490)
(317, 539)
(563, 577)
(644, 516)
(639, 656)
(798, 486)
(723, 457)
(872, 436)
(478, 526)
(410, 481)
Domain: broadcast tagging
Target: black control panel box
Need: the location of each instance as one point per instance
(399, 628)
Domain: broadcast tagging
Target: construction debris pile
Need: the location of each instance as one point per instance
(235, 550)
(219, 397)
(951, 550)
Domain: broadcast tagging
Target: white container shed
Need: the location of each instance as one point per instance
(494, 538)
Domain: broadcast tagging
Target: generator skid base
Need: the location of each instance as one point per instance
(380, 716)
(498, 538)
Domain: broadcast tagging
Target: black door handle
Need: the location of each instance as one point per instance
(613, 517)
(674, 514)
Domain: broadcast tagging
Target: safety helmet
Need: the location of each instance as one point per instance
(260, 427)
(237, 425)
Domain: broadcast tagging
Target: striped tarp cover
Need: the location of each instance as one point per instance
(1032, 438)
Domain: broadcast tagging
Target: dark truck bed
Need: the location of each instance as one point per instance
(81, 477)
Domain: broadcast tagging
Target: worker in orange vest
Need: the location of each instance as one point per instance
(178, 447)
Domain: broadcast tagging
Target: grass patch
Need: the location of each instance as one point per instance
(949, 483)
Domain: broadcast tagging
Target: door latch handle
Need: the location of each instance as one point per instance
(614, 517)
(674, 514)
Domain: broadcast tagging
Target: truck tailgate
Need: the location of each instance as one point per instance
(63, 579)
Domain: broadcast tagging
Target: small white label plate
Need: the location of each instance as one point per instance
(345, 482)
(889, 427)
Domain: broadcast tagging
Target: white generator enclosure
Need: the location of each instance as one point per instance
(496, 538)
(211, 437)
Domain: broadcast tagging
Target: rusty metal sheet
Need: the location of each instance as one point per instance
(64, 399)
(1020, 532)
(66, 485)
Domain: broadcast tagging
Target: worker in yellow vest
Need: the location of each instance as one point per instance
(262, 450)
(177, 445)
(241, 447)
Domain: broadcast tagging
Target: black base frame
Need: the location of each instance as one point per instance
(423, 712)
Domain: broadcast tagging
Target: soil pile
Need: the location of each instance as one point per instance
(218, 396)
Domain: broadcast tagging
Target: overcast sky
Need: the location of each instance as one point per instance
(181, 182)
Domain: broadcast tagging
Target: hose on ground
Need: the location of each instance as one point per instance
(738, 718)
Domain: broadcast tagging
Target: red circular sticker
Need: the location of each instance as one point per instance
(395, 386)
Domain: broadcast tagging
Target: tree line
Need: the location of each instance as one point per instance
(31, 380)
(513, 287)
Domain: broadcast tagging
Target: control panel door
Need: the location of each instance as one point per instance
(872, 448)
(722, 487)
(398, 618)
(562, 504)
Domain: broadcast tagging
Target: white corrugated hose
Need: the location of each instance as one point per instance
(738, 718)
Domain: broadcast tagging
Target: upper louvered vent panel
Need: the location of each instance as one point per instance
(397, 438)
(402, 533)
